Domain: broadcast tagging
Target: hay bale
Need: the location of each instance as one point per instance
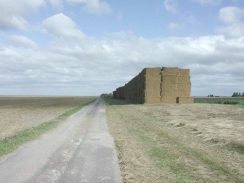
(168, 86)
(166, 78)
(168, 100)
(151, 71)
(151, 85)
(183, 79)
(183, 93)
(151, 93)
(169, 93)
(169, 71)
(184, 85)
(185, 100)
(152, 78)
(151, 100)
(184, 72)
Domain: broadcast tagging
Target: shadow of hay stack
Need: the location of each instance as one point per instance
(158, 85)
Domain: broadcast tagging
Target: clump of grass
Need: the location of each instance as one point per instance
(11, 143)
(238, 145)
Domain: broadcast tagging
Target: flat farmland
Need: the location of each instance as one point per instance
(178, 143)
(18, 113)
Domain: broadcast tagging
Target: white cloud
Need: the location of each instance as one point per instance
(93, 66)
(13, 12)
(211, 2)
(93, 6)
(56, 3)
(231, 14)
(232, 17)
(171, 5)
(175, 26)
(22, 41)
(62, 26)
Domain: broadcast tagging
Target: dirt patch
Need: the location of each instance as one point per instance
(18, 113)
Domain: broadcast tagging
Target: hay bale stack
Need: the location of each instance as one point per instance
(185, 100)
(168, 100)
(175, 83)
(169, 80)
(120, 92)
(114, 95)
(158, 85)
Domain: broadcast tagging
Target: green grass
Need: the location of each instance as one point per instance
(227, 102)
(10, 144)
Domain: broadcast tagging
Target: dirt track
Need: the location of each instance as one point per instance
(78, 150)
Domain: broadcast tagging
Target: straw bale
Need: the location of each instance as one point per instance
(185, 72)
(181, 86)
(152, 78)
(151, 100)
(168, 100)
(184, 79)
(166, 78)
(151, 85)
(151, 93)
(169, 93)
(155, 71)
(183, 93)
(185, 100)
(168, 86)
(170, 70)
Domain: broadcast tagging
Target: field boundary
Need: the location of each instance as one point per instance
(9, 144)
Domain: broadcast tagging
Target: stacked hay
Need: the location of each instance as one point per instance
(184, 87)
(175, 85)
(185, 100)
(169, 80)
(158, 85)
(150, 80)
(114, 95)
(120, 93)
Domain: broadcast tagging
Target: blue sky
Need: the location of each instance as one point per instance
(89, 47)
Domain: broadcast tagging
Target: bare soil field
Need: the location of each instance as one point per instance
(178, 143)
(18, 113)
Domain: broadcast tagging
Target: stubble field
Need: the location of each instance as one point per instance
(178, 143)
(18, 113)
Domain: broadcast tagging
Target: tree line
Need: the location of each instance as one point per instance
(238, 94)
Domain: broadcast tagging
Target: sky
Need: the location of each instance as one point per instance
(89, 47)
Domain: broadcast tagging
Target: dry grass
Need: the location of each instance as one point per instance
(18, 113)
(178, 143)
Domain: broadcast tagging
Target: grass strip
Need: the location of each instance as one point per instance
(226, 102)
(10, 144)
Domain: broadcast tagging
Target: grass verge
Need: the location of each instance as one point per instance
(151, 150)
(227, 102)
(10, 144)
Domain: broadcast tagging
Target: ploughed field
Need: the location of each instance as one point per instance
(18, 113)
(178, 143)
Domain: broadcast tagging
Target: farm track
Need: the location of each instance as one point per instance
(177, 143)
(79, 150)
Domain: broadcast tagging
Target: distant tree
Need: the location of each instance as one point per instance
(238, 94)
